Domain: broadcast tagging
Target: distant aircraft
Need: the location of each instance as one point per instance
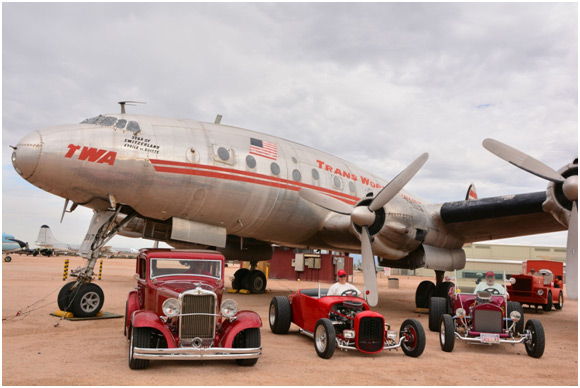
(195, 184)
(12, 245)
(50, 245)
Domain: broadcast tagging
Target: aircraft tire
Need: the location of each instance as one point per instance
(239, 275)
(87, 301)
(255, 282)
(63, 298)
(424, 292)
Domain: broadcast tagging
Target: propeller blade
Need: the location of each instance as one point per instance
(572, 254)
(397, 184)
(21, 243)
(522, 160)
(325, 201)
(369, 269)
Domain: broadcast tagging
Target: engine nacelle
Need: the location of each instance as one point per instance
(556, 201)
(439, 259)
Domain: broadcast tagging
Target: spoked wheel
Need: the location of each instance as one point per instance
(447, 333)
(414, 342)
(324, 338)
(535, 345)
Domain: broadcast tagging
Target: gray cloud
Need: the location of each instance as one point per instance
(374, 83)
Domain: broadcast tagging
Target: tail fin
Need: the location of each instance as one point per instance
(471, 193)
(45, 237)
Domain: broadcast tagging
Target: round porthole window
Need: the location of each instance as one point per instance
(296, 175)
(315, 174)
(275, 168)
(250, 161)
(223, 153)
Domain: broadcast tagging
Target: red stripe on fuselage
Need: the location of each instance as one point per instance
(242, 176)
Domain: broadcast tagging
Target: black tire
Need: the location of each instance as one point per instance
(8, 259)
(548, 306)
(255, 282)
(324, 338)
(140, 338)
(280, 315)
(63, 298)
(424, 292)
(560, 303)
(535, 347)
(249, 338)
(516, 306)
(239, 275)
(437, 307)
(443, 289)
(447, 333)
(86, 300)
(414, 343)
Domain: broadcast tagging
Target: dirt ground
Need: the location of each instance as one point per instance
(40, 349)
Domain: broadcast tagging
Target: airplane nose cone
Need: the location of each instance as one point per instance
(27, 154)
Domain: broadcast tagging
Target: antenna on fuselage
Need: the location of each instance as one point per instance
(218, 119)
(123, 103)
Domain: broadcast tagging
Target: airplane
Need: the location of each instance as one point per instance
(49, 245)
(12, 245)
(197, 184)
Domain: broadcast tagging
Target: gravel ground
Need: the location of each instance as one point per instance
(40, 349)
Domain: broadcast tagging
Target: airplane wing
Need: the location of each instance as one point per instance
(499, 217)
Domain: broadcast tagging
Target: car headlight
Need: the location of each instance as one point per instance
(515, 316)
(460, 312)
(229, 308)
(348, 334)
(540, 292)
(513, 280)
(170, 307)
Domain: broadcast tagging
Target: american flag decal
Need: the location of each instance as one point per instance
(263, 148)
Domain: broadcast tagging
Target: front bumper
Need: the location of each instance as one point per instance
(196, 353)
(523, 338)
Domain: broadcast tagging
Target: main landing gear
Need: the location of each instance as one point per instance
(252, 280)
(427, 289)
(81, 297)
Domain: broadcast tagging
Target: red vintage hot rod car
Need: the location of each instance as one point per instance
(344, 321)
(177, 312)
(486, 317)
(540, 284)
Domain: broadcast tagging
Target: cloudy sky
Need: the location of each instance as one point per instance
(377, 84)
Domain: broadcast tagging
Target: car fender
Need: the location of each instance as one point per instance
(132, 306)
(146, 318)
(244, 320)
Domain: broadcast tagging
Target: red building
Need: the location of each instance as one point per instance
(315, 267)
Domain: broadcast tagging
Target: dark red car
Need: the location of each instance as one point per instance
(344, 321)
(177, 312)
(484, 318)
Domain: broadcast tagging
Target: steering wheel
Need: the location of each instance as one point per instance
(493, 291)
(349, 292)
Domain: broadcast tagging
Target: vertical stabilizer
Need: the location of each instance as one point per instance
(45, 237)
(471, 193)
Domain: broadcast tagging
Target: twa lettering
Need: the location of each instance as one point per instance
(345, 174)
(91, 154)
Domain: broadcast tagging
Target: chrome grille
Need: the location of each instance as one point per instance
(487, 321)
(197, 316)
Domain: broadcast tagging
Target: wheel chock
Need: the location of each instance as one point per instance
(232, 291)
(69, 315)
(422, 310)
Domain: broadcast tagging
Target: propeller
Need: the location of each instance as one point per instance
(570, 190)
(23, 245)
(364, 216)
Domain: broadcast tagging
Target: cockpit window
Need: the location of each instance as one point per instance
(110, 121)
(121, 124)
(133, 126)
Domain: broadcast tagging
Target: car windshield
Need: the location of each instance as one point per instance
(186, 267)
